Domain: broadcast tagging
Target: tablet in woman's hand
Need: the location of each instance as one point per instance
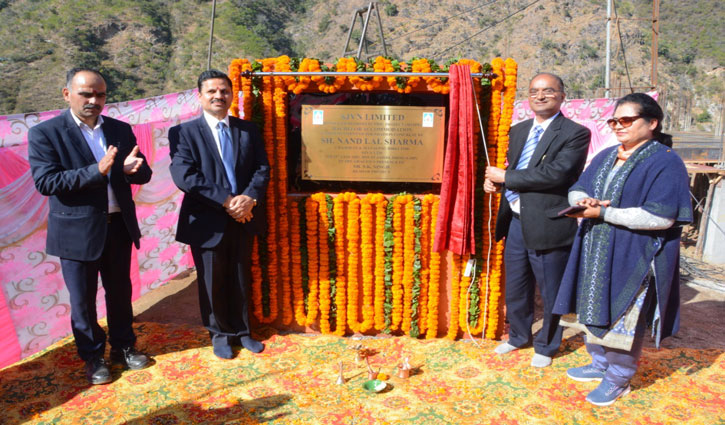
(571, 210)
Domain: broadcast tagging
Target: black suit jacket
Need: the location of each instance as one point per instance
(197, 169)
(543, 186)
(64, 169)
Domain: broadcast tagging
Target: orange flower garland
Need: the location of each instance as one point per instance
(497, 67)
(360, 227)
(493, 330)
(340, 257)
(455, 295)
(398, 260)
(368, 255)
(381, 205)
(353, 251)
(324, 262)
(313, 262)
(247, 99)
(304, 80)
(409, 258)
(509, 96)
(463, 294)
(434, 270)
(296, 250)
(280, 124)
(425, 236)
(235, 68)
(271, 200)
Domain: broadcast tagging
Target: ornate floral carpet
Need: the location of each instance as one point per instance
(294, 382)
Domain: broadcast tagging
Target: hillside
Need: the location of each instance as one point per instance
(150, 47)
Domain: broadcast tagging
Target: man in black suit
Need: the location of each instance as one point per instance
(545, 156)
(86, 163)
(220, 164)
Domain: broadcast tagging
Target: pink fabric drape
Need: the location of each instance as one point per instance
(13, 166)
(454, 231)
(34, 302)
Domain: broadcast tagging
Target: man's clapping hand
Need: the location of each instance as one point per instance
(132, 162)
(104, 165)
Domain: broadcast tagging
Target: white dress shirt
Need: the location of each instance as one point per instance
(516, 205)
(212, 121)
(97, 142)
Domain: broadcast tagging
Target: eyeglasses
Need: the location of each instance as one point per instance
(546, 92)
(624, 121)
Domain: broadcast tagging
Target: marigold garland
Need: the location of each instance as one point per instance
(408, 260)
(268, 135)
(341, 262)
(313, 258)
(507, 110)
(465, 283)
(235, 68)
(453, 304)
(415, 327)
(381, 207)
(388, 246)
(398, 262)
(323, 261)
(370, 252)
(280, 107)
(434, 270)
(401, 272)
(296, 229)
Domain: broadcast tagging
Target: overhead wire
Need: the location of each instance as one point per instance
(445, 19)
(621, 46)
(487, 28)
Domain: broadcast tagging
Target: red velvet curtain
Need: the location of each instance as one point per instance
(454, 230)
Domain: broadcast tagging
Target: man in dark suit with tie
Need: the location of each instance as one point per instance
(86, 163)
(545, 157)
(220, 164)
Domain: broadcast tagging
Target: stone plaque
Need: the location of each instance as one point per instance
(373, 143)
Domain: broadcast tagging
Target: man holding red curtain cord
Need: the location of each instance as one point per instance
(546, 155)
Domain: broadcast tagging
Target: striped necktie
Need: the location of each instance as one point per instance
(524, 158)
(227, 154)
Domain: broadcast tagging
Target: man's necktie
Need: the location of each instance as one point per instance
(524, 159)
(225, 141)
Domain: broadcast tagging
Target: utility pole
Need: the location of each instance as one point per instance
(655, 39)
(607, 64)
(655, 21)
(211, 33)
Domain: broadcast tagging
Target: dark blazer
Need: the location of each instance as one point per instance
(197, 169)
(543, 186)
(64, 169)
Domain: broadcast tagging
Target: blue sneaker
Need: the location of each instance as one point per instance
(606, 393)
(585, 373)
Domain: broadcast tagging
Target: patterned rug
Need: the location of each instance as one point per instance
(294, 382)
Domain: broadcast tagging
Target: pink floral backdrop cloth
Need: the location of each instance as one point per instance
(34, 304)
(591, 113)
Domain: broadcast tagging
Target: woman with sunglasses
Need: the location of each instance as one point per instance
(623, 271)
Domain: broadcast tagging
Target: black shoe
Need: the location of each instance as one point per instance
(129, 357)
(252, 344)
(97, 371)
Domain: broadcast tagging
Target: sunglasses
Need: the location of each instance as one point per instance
(624, 121)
